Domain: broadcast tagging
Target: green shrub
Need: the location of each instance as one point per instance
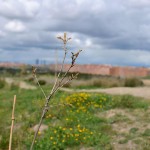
(97, 83)
(125, 101)
(14, 86)
(67, 85)
(146, 132)
(128, 101)
(42, 82)
(107, 82)
(133, 82)
(31, 79)
(2, 83)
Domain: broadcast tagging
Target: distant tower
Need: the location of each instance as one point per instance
(37, 61)
(44, 62)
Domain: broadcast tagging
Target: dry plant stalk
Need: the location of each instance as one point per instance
(59, 82)
(12, 123)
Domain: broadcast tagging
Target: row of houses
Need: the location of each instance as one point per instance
(10, 65)
(88, 69)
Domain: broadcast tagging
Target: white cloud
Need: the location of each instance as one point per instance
(106, 30)
(15, 26)
(115, 57)
(31, 7)
(2, 34)
(88, 43)
(139, 3)
(19, 8)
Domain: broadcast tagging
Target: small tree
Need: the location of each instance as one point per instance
(60, 81)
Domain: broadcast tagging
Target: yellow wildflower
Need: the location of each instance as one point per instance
(55, 131)
(70, 129)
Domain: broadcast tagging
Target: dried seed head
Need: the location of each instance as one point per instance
(59, 37)
(74, 57)
(64, 39)
(76, 54)
(65, 34)
(68, 39)
(73, 76)
(34, 71)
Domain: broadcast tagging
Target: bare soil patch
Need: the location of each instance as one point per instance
(129, 126)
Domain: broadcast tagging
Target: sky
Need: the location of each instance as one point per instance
(114, 32)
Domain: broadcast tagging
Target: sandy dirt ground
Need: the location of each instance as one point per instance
(21, 84)
(129, 119)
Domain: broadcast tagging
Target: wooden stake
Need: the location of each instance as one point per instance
(12, 123)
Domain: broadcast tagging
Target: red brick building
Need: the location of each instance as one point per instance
(107, 70)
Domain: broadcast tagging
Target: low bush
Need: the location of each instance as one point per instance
(99, 82)
(128, 101)
(67, 85)
(30, 79)
(107, 82)
(2, 83)
(42, 82)
(133, 82)
(75, 124)
(125, 101)
(14, 86)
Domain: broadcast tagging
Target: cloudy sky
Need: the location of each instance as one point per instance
(113, 32)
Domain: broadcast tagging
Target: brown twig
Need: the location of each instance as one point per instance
(70, 79)
(35, 77)
(12, 123)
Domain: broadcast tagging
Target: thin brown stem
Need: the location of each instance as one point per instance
(61, 70)
(65, 82)
(12, 123)
(40, 86)
(45, 109)
(39, 125)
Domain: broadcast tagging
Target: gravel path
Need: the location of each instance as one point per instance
(137, 91)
